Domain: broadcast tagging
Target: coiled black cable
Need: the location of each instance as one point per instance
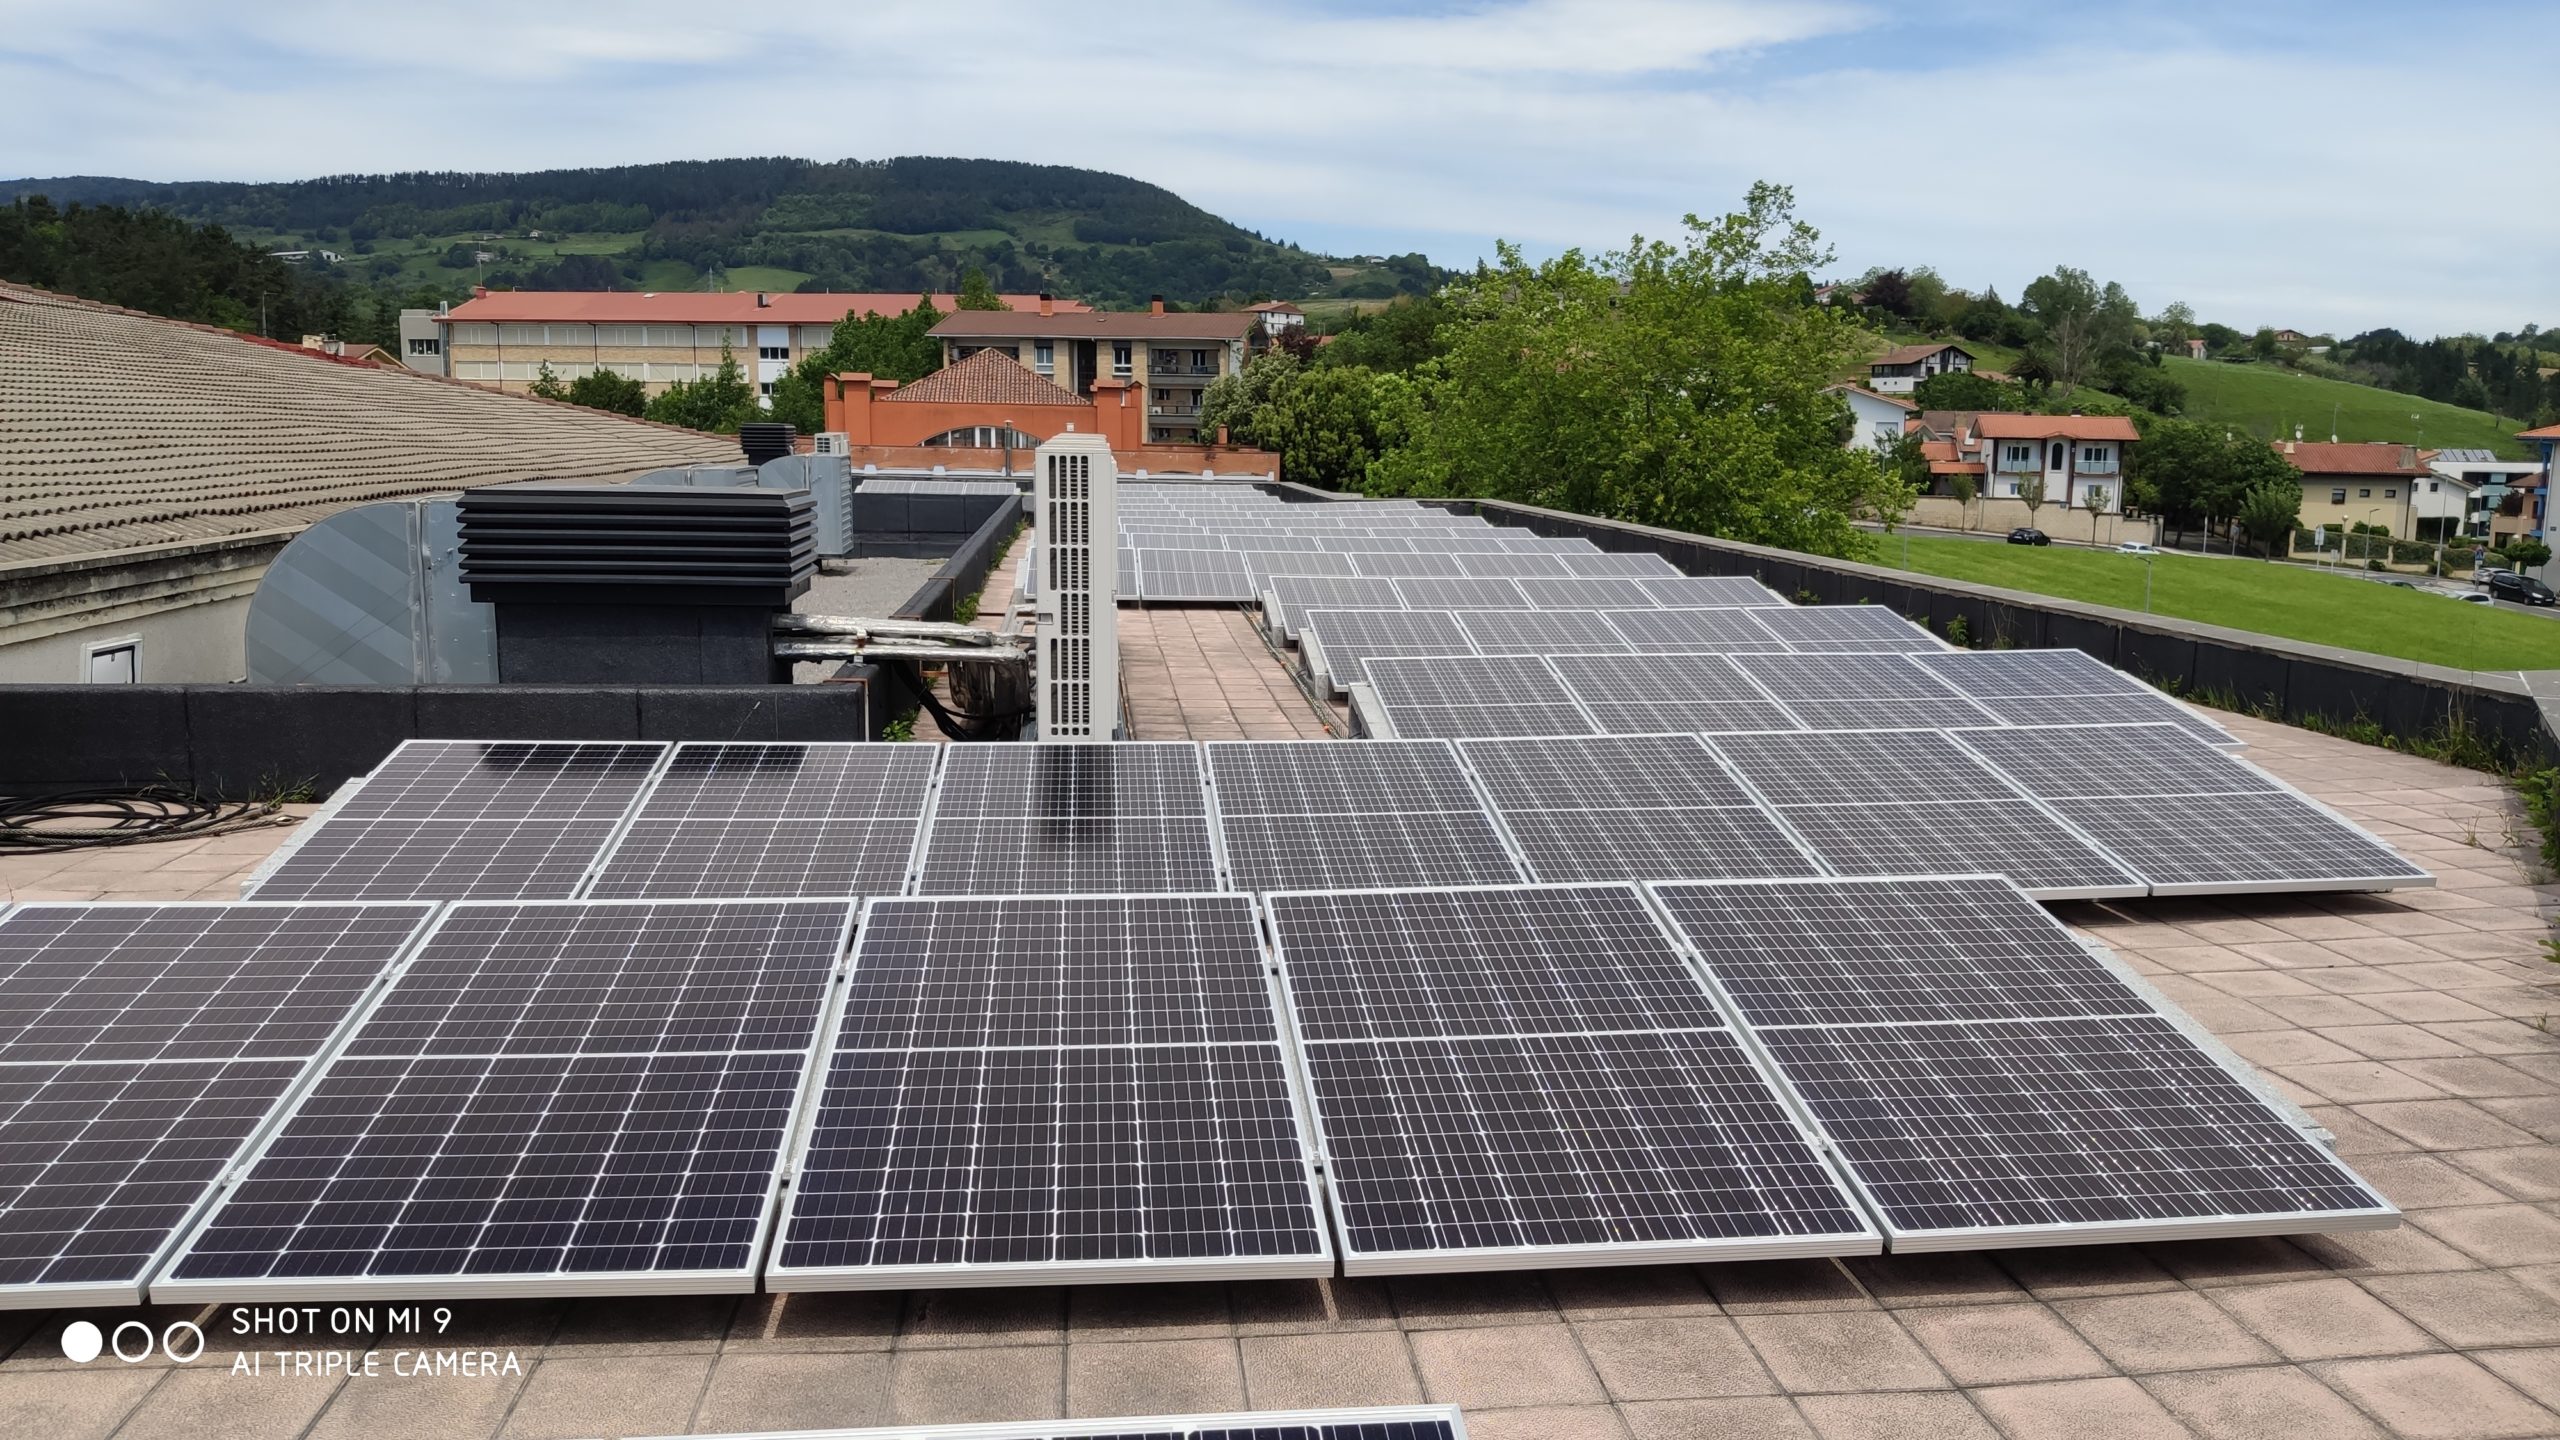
(89, 819)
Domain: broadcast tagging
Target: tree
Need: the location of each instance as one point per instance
(1890, 292)
(1962, 390)
(1965, 488)
(2098, 496)
(1399, 337)
(606, 390)
(546, 385)
(2031, 491)
(2264, 344)
(2174, 325)
(2527, 554)
(1236, 401)
(977, 292)
(893, 347)
(2269, 514)
(719, 402)
(1330, 425)
(1675, 385)
(2084, 323)
(1907, 461)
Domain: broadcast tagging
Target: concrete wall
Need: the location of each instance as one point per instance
(238, 741)
(197, 645)
(1993, 515)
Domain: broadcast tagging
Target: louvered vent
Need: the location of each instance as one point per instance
(1078, 565)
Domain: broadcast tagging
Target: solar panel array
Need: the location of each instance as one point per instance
(773, 820)
(1055, 819)
(1987, 1081)
(1298, 817)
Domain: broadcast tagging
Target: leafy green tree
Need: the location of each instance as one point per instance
(608, 390)
(2264, 344)
(977, 292)
(1398, 338)
(719, 402)
(2528, 554)
(2031, 491)
(1907, 460)
(2174, 325)
(1237, 401)
(1675, 385)
(2084, 323)
(1330, 425)
(2268, 515)
(546, 385)
(1963, 390)
(1965, 487)
(895, 347)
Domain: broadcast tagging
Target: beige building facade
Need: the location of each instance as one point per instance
(1175, 357)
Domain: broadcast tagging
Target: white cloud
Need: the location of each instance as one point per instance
(2289, 186)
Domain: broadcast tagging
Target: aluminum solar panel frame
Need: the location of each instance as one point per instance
(1386, 1422)
(1867, 628)
(1462, 592)
(773, 820)
(1826, 690)
(144, 1047)
(1637, 564)
(1261, 565)
(1333, 644)
(1586, 592)
(1651, 694)
(1193, 574)
(1513, 563)
(1412, 563)
(1630, 807)
(1540, 632)
(1988, 1081)
(2047, 687)
(1446, 697)
(465, 819)
(1054, 1089)
(1692, 630)
(549, 1098)
(2186, 815)
(1293, 816)
(1124, 818)
(1914, 802)
(1532, 1076)
(1286, 598)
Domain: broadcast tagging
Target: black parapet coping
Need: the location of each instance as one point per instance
(303, 741)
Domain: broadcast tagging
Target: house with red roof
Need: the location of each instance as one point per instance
(2359, 483)
(1900, 370)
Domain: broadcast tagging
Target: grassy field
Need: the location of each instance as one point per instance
(2293, 601)
(2268, 400)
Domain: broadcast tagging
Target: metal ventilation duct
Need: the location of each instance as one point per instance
(372, 596)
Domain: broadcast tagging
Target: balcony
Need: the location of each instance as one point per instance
(1174, 414)
(2094, 467)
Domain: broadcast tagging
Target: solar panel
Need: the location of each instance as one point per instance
(1401, 1422)
(1516, 563)
(1193, 574)
(1913, 802)
(1850, 692)
(779, 820)
(1585, 592)
(1540, 632)
(1648, 694)
(464, 819)
(1294, 595)
(1951, 1047)
(1475, 695)
(1089, 1088)
(141, 1046)
(1711, 590)
(1632, 807)
(551, 1099)
(1531, 1076)
(1260, 565)
(1462, 592)
(1059, 819)
(2187, 817)
(1298, 816)
(2060, 687)
(1641, 564)
(1334, 644)
(1694, 631)
(1433, 562)
(1817, 628)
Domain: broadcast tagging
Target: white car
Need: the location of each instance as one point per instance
(2135, 547)
(2474, 597)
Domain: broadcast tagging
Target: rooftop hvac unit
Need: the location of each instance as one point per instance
(832, 442)
(1075, 542)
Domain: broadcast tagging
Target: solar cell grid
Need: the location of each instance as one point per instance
(1294, 595)
(1514, 563)
(1260, 565)
(1441, 847)
(1270, 777)
(1850, 691)
(1585, 592)
(1540, 632)
(1847, 628)
(1639, 564)
(1461, 592)
(1646, 694)
(1829, 952)
(2060, 687)
(1135, 778)
(457, 780)
(1698, 843)
(2115, 761)
(2191, 844)
(699, 859)
(1850, 767)
(2013, 837)
(1427, 562)
(809, 781)
(1710, 590)
(396, 859)
(1337, 643)
(1478, 695)
(1193, 574)
(1698, 631)
(1618, 772)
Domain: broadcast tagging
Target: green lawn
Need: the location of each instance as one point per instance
(2268, 401)
(2272, 599)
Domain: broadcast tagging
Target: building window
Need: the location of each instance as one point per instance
(428, 345)
(118, 662)
(2391, 494)
(2365, 494)
(2434, 485)
(2056, 462)
(2017, 455)
(773, 352)
(1204, 360)
(983, 437)
(2094, 454)
(1120, 357)
(765, 388)
(1044, 356)
(2338, 496)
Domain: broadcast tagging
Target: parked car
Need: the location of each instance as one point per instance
(2522, 589)
(2135, 547)
(2029, 535)
(2474, 598)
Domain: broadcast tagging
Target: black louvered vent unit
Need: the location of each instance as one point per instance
(598, 584)
(765, 440)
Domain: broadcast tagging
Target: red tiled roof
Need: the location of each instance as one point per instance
(1998, 425)
(2547, 432)
(694, 307)
(1895, 401)
(1098, 324)
(990, 377)
(1913, 354)
(2320, 457)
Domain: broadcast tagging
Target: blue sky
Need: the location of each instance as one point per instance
(2328, 166)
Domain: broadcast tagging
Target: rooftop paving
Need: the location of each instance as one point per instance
(2423, 1027)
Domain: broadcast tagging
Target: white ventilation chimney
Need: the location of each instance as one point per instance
(1075, 542)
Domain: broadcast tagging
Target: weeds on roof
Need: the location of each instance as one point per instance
(902, 728)
(1959, 634)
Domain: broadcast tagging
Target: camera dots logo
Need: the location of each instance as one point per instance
(133, 1342)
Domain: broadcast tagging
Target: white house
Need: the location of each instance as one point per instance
(1278, 317)
(1900, 370)
(2081, 457)
(2454, 476)
(1880, 418)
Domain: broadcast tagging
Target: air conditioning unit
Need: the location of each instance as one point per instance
(1075, 542)
(832, 442)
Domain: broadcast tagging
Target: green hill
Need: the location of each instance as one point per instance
(2269, 400)
(909, 224)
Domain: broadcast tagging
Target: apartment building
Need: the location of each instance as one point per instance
(1171, 358)
(2359, 483)
(503, 338)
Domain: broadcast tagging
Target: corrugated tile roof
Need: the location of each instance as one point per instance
(120, 430)
(1999, 425)
(1914, 354)
(2324, 457)
(990, 377)
(1099, 325)
(696, 307)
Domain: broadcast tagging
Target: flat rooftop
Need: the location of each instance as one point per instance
(2423, 1027)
